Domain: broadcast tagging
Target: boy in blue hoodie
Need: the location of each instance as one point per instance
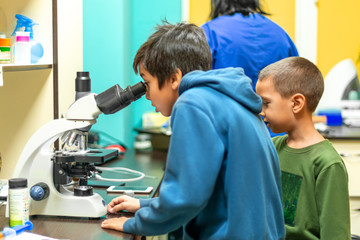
(222, 178)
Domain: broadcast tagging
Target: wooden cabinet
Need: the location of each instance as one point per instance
(27, 97)
(33, 95)
(349, 149)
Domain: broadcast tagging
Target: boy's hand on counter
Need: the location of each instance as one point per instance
(123, 202)
(114, 223)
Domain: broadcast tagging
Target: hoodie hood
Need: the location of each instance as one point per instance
(229, 81)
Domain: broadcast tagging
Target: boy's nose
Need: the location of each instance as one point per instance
(147, 95)
(262, 113)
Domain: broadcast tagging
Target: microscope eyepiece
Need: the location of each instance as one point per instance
(116, 98)
(82, 82)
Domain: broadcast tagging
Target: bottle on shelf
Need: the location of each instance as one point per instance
(37, 50)
(22, 49)
(4, 49)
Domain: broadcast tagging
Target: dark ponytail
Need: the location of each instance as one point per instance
(230, 7)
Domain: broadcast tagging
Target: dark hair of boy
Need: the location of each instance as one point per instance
(171, 47)
(229, 7)
(296, 75)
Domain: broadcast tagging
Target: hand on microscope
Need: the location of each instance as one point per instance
(123, 202)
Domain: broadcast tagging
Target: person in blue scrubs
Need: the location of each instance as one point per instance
(240, 35)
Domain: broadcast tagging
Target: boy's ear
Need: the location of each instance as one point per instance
(298, 102)
(175, 79)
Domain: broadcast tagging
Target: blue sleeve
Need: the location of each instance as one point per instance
(193, 164)
(293, 52)
(145, 202)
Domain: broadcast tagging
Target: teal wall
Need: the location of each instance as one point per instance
(113, 31)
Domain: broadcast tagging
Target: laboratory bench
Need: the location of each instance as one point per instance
(152, 164)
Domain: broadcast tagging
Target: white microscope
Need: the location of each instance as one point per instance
(342, 93)
(49, 172)
(341, 84)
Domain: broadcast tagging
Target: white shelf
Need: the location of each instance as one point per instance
(16, 68)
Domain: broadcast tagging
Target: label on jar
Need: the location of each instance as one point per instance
(4, 54)
(18, 206)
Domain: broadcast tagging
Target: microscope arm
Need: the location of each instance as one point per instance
(84, 108)
(41, 141)
(81, 114)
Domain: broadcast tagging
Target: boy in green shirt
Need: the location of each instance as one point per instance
(314, 177)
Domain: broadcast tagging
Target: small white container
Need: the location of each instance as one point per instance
(18, 201)
(22, 48)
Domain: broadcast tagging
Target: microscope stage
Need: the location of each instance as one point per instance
(90, 156)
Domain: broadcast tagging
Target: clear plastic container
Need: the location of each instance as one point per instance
(22, 48)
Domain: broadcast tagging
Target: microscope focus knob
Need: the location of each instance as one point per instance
(39, 191)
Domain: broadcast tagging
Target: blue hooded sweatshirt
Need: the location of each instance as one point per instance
(222, 176)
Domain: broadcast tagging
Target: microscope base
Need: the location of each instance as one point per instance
(66, 204)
